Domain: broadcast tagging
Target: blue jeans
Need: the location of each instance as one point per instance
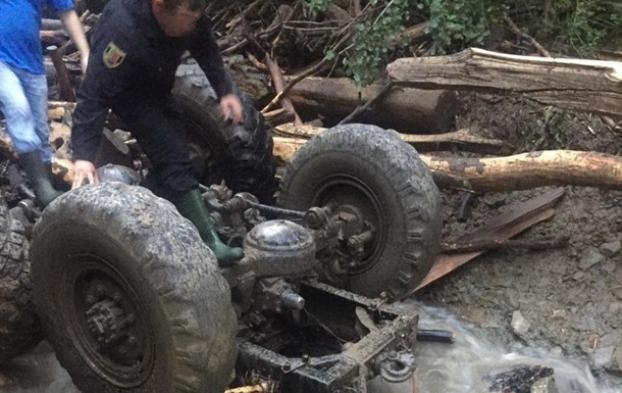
(24, 103)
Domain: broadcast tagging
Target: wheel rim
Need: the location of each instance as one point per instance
(106, 322)
(344, 191)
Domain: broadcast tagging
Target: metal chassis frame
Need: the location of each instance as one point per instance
(347, 371)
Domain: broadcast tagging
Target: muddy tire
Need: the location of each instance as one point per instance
(129, 296)
(20, 329)
(240, 154)
(370, 168)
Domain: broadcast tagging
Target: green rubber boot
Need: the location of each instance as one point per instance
(192, 206)
(39, 176)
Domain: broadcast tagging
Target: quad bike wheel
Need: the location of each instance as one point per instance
(129, 296)
(369, 172)
(20, 329)
(240, 154)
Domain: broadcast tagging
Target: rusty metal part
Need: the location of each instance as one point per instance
(277, 295)
(502, 227)
(397, 367)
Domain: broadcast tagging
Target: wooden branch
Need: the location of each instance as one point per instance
(64, 83)
(494, 244)
(464, 139)
(282, 93)
(585, 85)
(521, 34)
(362, 108)
(410, 34)
(277, 80)
(517, 172)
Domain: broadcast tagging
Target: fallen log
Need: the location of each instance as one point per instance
(529, 170)
(517, 172)
(463, 139)
(584, 85)
(401, 108)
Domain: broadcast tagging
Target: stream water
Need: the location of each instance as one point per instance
(467, 364)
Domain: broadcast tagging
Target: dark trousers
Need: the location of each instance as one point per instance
(160, 134)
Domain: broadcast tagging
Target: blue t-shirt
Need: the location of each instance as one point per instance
(20, 22)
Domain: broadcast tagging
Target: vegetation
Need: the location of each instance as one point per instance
(575, 27)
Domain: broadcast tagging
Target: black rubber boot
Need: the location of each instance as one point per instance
(39, 176)
(192, 206)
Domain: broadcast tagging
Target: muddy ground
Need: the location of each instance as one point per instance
(567, 299)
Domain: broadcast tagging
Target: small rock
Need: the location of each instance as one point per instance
(615, 308)
(609, 339)
(520, 325)
(590, 257)
(611, 248)
(578, 276)
(524, 379)
(603, 357)
(609, 267)
(544, 385)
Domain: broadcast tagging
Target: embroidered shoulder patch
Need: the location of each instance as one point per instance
(113, 55)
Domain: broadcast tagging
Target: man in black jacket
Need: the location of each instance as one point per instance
(136, 48)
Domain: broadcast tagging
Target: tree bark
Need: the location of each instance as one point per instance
(584, 85)
(529, 170)
(517, 172)
(405, 109)
(463, 139)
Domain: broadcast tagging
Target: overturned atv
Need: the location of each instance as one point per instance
(132, 300)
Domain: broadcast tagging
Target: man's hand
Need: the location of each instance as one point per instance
(84, 171)
(231, 108)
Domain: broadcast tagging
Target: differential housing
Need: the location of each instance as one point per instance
(280, 248)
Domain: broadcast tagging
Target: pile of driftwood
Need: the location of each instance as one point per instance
(275, 50)
(584, 85)
(417, 93)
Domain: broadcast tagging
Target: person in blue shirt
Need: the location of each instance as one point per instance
(23, 85)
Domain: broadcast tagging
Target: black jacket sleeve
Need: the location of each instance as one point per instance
(89, 118)
(101, 84)
(204, 49)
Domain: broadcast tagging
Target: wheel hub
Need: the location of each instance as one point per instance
(356, 206)
(107, 322)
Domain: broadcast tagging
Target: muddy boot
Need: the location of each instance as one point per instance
(34, 167)
(192, 206)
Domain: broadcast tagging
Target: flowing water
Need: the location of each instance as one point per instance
(465, 365)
